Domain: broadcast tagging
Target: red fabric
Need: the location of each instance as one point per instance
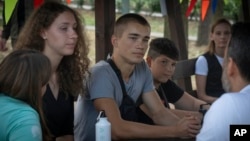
(37, 3)
(68, 1)
(204, 8)
(190, 7)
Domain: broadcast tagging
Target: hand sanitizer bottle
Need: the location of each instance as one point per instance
(102, 128)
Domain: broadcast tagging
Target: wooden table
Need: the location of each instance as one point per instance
(166, 139)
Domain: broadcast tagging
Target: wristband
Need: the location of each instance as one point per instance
(203, 110)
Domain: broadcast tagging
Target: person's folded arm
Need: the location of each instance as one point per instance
(122, 129)
(157, 111)
(188, 102)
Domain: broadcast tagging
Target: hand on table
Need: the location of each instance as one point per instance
(189, 127)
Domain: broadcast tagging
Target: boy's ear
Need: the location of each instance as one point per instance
(114, 40)
(148, 60)
(232, 68)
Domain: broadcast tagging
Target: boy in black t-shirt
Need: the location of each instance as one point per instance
(161, 58)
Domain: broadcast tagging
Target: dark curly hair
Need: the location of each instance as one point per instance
(73, 68)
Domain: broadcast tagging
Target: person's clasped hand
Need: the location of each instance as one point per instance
(189, 127)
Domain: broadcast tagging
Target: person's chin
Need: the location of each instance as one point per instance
(223, 45)
(164, 80)
(68, 53)
(137, 60)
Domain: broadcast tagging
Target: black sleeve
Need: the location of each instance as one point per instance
(172, 91)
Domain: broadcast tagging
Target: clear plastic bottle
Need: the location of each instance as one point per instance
(102, 128)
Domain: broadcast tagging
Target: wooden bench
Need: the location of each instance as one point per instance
(184, 71)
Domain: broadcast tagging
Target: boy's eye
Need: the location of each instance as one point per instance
(133, 38)
(145, 40)
(164, 62)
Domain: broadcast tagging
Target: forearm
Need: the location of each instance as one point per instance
(162, 117)
(165, 117)
(197, 103)
(134, 130)
(187, 127)
(183, 113)
(189, 103)
(180, 113)
(206, 98)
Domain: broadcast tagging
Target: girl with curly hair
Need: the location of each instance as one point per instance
(57, 31)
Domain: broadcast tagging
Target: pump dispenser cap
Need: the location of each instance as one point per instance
(101, 114)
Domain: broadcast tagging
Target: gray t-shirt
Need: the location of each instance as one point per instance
(104, 83)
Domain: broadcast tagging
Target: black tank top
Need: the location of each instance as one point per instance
(59, 113)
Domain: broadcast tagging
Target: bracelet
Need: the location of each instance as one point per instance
(203, 111)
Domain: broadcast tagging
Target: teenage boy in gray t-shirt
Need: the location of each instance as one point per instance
(130, 42)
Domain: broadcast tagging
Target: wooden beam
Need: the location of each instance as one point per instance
(104, 21)
(176, 27)
(177, 33)
(246, 10)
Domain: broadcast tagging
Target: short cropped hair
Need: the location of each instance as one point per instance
(239, 48)
(163, 46)
(121, 22)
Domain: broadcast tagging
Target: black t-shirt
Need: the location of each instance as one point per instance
(59, 113)
(172, 94)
